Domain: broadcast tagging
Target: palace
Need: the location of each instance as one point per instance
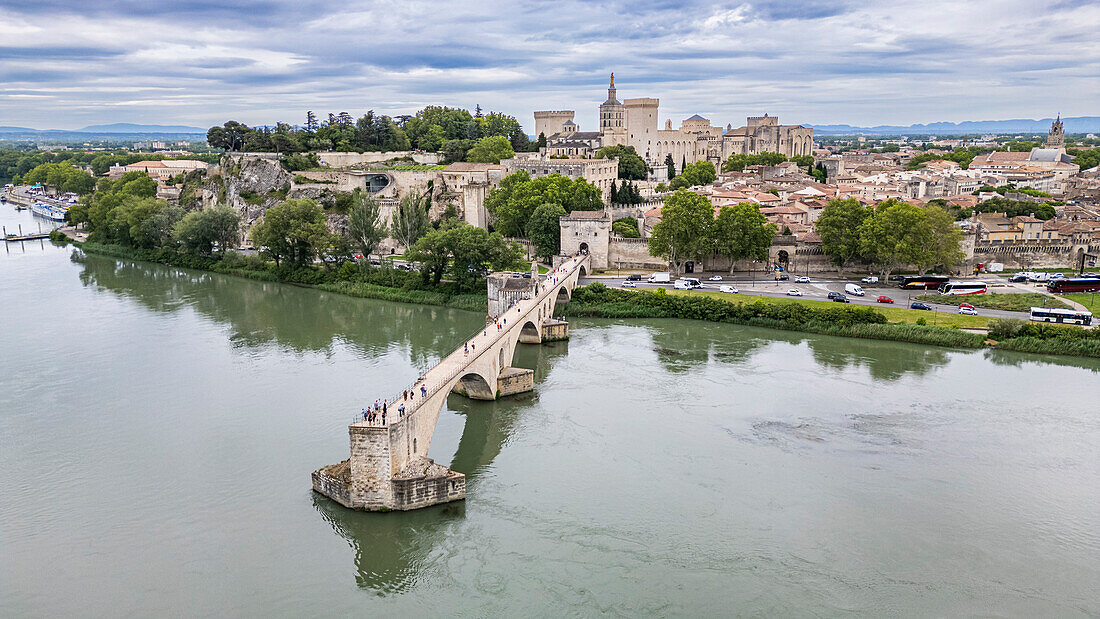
(634, 122)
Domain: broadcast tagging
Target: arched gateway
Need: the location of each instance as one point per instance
(388, 467)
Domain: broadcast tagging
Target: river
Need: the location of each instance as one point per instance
(158, 428)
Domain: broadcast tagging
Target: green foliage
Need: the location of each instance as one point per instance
(806, 161)
(699, 173)
(839, 226)
(305, 180)
(544, 230)
(627, 194)
(292, 232)
(410, 219)
(64, 177)
(819, 173)
(490, 149)
(514, 202)
(1087, 159)
(199, 232)
(467, 251)
(738, 163)
(961, 156)
(626, 227)
(684, 230)
(678, 182)
(671, 165)
(631, 165)
(365, 226)
(300, 161)
(1014, 208)
(742, 232)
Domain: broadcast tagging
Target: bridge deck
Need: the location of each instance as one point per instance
(457, 363)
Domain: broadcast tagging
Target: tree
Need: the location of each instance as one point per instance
(515, 200)
(365, 227)
(839, 229)
(741, 232)
(544, 230)
(542, 140)
(631, 165)
(626, 227)
(311, 122)
(199, 232)
(893, 235)
(467, 250)
(738, 162)
(939, 241)
(683, 163)
(683, 232)
(671, 165)
(63, 177)
(699, 173)
(410, 219)
(292, 231)
(678, 183)
(230, 136)
(806, 161)
(491, 149)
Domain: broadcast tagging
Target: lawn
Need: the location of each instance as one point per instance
(1010, 302)
(1090, 300)
(893, 314)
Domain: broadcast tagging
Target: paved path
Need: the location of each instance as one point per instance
(455, 364)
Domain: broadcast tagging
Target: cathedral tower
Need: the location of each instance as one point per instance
(1057, 136)
(612, 118)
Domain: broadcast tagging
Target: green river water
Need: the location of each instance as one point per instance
(158, 428)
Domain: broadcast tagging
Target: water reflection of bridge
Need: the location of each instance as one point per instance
(388, 467)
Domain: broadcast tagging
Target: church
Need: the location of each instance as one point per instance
(634, 122)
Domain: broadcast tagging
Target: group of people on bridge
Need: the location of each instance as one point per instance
(376, 413)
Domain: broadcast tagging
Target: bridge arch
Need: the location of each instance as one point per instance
(583, 272)
(529, 333)
(476, 386)
(563, 295)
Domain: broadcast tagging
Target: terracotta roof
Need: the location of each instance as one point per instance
(653, 212)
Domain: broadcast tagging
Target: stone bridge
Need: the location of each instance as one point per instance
(388, 467)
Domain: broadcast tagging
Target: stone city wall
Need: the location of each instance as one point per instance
(625, 253)
(335, 159)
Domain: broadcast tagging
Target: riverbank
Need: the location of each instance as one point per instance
(596, 300)
(366, 282)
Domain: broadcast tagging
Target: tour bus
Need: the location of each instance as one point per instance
(1067, 316)
(922, 282)
(963, 288)
(1074, 284)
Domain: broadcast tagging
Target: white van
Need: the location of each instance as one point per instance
(691, 282)
(681, 285)
(660, 278)
(853, 289)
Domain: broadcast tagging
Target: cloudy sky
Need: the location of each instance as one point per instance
(69, 63)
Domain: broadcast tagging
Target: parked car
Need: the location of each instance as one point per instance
(783, 277)
(715, 278)
(836, 297)
(969, 311)
(727, 288)
(884, 299)
(920, 306)
(897, 278)
(794, 292)
(629, 285)
(802, 279)
(1019, 277)
(634, 278)
(967, 305)
(869, 280)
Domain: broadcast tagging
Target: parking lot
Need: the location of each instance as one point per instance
(818, 289)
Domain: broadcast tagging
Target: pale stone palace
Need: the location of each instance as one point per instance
(634, 122)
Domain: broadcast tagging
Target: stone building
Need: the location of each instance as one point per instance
(635, 122)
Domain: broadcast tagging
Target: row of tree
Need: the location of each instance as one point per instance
(889, 235)
(689, 230)
(454, 132)
(514, 202)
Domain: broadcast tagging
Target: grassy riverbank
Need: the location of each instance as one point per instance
(357, 281)
(1009, 302)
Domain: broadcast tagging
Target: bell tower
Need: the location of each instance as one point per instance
(612, 118)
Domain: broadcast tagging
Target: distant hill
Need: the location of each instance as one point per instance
(16, 130)
(133, 128)
(1078, 124)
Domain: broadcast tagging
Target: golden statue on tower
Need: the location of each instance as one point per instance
(612, 79)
